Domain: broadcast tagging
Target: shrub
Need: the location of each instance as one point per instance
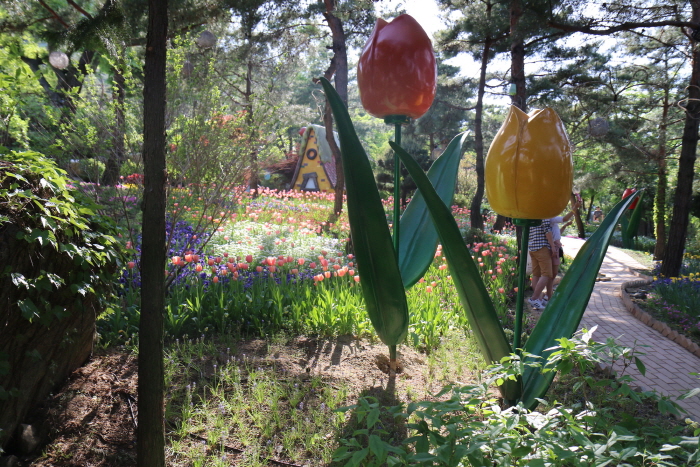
(466, 426)
(59, 260)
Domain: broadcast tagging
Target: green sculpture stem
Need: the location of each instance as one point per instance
(397, 120)
(522, 267)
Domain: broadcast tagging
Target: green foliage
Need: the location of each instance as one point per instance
(13, 128)
(49, 213)
(72, 254)
(378, 451)
(90, 170)
(465, 426)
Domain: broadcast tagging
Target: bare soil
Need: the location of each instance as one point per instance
(91, 420)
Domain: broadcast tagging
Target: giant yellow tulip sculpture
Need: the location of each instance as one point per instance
(529, 169)
(529, 175)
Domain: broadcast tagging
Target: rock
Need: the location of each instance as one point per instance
(9, 461)
(29, 438)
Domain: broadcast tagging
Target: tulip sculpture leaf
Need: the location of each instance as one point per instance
(418, 237)
(472, 292)
(383, 289)
(382, 286)
(563, 314)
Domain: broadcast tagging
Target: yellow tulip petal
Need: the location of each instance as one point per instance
(529, 167)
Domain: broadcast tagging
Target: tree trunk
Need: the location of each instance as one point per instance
(660, 212)
(579, 222)
(117, 154)
(590, 208)
(254, 181)
(517, 57)
(151, 432)
(339, 66)
(660, 197)
(500, 223)
(678, 230)
(477, 221)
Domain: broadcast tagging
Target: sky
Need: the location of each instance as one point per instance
(425, 12)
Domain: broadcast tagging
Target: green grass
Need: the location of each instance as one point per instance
(224, 405)
(644, 258)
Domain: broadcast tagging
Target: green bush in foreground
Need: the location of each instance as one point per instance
(470, 429)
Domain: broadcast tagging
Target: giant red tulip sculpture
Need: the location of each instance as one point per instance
(397, 79)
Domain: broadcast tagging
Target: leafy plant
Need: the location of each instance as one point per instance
(465, 425)
(36, 196)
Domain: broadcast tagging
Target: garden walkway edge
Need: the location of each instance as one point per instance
(668, 364)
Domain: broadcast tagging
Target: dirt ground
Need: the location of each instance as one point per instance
(91, 421)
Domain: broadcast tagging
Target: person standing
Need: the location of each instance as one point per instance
(556, 236)
(541, 248)
(597, 214)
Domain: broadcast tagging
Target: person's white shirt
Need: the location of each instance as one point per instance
(556, 232)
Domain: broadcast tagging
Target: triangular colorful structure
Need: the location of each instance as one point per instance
(315, 170)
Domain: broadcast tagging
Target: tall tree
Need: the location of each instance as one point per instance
(450, 111)
(267, 37)
(481, 32)
(92, 33)
(151, 433)
(631, 16)
(338, 67)
(349, 22)
(656, 115)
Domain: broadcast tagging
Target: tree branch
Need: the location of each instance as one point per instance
(77, 7)
(628, 26)
(54, 14)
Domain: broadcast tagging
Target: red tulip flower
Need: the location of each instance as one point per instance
(397, 72)
(628, 192)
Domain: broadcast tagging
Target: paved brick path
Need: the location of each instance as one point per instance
(668, 365)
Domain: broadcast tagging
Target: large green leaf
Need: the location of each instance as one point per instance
(417, 235)
(382, 287)
(563, 314)
(472, 292)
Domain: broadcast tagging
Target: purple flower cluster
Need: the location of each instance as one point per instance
(181, 237)
(669, 313)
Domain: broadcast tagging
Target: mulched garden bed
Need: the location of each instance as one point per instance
(641, 296)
